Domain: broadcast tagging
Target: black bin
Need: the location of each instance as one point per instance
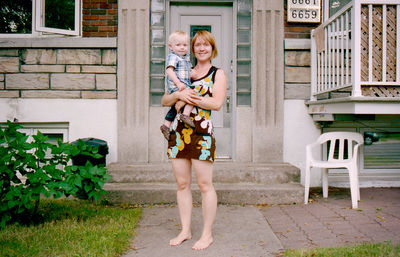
(80, 159)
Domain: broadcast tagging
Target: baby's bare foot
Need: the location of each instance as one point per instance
(180, 239)
(203, 243)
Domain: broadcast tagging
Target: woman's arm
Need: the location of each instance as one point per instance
(187, 95)
(218, 95)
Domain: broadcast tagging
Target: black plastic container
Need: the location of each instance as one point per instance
(80, 159)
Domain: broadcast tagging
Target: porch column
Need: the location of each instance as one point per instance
(133, 80)
(268, 80)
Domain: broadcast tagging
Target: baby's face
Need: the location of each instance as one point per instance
(180, 45)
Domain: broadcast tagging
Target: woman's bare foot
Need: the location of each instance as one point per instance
(203, 243)
(180, 239)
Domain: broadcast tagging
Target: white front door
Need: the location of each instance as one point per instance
(217, 20)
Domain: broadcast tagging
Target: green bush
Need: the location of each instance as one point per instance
(31, 170)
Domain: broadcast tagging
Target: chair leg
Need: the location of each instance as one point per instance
(307, 183)
(354, 189)
(358, 184)
(325, 183)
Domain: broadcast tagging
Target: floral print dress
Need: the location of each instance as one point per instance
(198, 142)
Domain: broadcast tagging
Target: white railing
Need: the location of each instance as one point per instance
(354, 48)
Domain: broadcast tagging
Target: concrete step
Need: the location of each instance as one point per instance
(237, 193)
(224, 172)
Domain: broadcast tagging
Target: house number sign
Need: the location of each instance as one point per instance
(304, 10)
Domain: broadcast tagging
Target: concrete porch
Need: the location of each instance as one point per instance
(235, 183)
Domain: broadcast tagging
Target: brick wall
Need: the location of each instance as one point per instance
(58, 73)
(297, 29)
(100, 18)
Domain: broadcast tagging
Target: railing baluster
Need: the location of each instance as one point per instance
(329, 56)
(337, 53)
(342, 50)
(347, 47)
(333, 54)
(326, 58)
(319, 75)
(384, 43)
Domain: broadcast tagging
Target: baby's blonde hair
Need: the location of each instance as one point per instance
(177, 33)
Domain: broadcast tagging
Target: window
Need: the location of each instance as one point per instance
(36, 17)
(336, 5)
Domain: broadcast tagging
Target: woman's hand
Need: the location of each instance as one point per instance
(188, 96)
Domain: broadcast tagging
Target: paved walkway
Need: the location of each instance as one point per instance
(331, 222)
(266, 230)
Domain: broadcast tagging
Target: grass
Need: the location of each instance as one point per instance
(72, 228)
(386, 249)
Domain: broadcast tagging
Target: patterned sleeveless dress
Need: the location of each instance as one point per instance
(198, 142)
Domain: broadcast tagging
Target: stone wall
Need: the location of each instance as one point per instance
(297, 69)
(58, 73)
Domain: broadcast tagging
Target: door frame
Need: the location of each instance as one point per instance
(232, 73)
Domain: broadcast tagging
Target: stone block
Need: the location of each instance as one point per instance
(298, 58)
(1, 85)
(39, 56)
(109, 57)
(98, 69)
(9, 64)
(27, 81)
(9, 52)
(43, 68)
(50, 94)
(99, 94)
(1, 77)
(297, 74)
(106, 82)
(73, 68)
(297, 91)
(9, 94)
(72, 81)
(79, 56)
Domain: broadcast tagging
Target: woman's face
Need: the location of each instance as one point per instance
(202, 49)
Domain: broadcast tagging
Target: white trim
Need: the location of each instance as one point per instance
(370, 50)
(58, 42)
(40, 20)
(398, 44)
(356, 51)
(37, 21)
(384, 43)
(378, 83)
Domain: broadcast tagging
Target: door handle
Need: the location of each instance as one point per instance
(228, 103)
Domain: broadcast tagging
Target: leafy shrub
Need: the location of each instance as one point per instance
(31, 170)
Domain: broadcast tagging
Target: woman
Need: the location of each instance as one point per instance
(195, 147)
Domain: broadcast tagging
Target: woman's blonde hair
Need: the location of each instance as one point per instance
(207, 36)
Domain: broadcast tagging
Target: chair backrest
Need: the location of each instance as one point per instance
(338, 140)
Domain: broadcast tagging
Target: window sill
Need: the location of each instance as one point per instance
(58, 42)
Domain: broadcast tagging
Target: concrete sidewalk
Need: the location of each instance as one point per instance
(267, 230)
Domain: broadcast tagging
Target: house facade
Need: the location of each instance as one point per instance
(103, 76)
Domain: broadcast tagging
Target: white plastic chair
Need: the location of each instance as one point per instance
(354, 141)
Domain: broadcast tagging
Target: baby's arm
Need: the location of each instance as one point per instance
(172, 76)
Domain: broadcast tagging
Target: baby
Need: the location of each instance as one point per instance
(178, 77)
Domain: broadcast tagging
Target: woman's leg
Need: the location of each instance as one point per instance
(183, 175)
(204, 172)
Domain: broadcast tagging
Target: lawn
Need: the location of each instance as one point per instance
(72, 228)
(362, 250)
